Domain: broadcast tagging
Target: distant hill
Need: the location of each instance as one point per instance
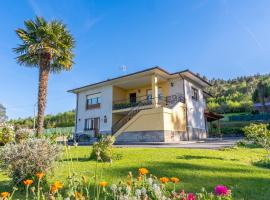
(234, 95)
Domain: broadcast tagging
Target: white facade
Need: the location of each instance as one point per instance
(105, 110)
(184, 86)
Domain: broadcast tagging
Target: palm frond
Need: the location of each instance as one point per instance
(41, 36)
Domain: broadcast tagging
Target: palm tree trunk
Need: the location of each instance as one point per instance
(42, 95)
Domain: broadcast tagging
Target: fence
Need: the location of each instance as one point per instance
(250, 117)
(61, 131)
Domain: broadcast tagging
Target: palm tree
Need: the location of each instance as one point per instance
(47, 46)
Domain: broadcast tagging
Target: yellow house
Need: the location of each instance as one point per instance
(152, 105)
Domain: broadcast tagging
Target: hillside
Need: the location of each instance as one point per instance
(234, 95)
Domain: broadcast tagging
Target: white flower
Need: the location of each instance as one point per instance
(120, 189)
(143, 190)
(138, 192)
(150, 181)
(128, 190)
(113, 187)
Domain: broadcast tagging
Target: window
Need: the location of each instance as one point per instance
(93, 101)
(91, 123)
(195, 94)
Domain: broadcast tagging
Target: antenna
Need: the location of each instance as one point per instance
(124, 68)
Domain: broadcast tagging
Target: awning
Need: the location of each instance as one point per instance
(211, 116)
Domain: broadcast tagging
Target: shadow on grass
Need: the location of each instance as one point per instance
(190, 157)
(264, 163)
(81, 159)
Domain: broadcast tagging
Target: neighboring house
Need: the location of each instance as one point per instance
(150, 105)
(262, 108)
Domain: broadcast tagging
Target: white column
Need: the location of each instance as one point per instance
(154, 90)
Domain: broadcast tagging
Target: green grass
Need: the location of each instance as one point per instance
(195, 168)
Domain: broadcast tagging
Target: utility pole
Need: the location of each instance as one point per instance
(34, 125)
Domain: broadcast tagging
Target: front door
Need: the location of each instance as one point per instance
(96, 125)
(132, 97)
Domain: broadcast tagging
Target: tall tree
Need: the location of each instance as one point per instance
(47, 46)
(3, 116)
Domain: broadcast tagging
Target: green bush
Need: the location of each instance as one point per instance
(259, 134)
(6, 134)
(103, 149)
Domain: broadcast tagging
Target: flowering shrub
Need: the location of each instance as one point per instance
(259, 134)
(143, 187)
(103, 149)
(23, 134)
(6, 133)
(22, 160)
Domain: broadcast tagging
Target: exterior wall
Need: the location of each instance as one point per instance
(119, 94)
(195, 112)
(176, 86)
(142, 91)
(155, 125)
(105, 109)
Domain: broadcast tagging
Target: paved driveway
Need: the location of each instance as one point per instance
(210, 143)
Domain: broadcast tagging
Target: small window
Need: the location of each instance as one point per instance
(93, 101)
(195, 94)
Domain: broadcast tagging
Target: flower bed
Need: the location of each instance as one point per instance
(142, 187)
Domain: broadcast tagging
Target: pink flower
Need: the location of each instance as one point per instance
(191, 196)
(221, 190)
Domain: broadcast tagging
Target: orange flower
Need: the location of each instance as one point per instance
(5, 195)
(40, 175)
(103, 183)
(129, 182)
(139, 178)
(164, 180)
(28, 182)
(174, 180)
(54, 189)
(143, 171)
(58, 184)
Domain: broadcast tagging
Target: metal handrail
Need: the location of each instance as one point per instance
(168, 101)
(128, 117)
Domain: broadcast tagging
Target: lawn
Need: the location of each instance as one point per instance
(195, 168)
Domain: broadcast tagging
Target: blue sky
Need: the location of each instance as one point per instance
(217, 38)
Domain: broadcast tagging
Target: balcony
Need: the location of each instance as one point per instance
(146, 101)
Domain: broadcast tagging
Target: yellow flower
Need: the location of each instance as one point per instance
(164, 180)
(5, 195)
(103, 183)
(174, 180)
(40, 175)
(79, 196)
(139, 178)
(143, 171)
(28, 182)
